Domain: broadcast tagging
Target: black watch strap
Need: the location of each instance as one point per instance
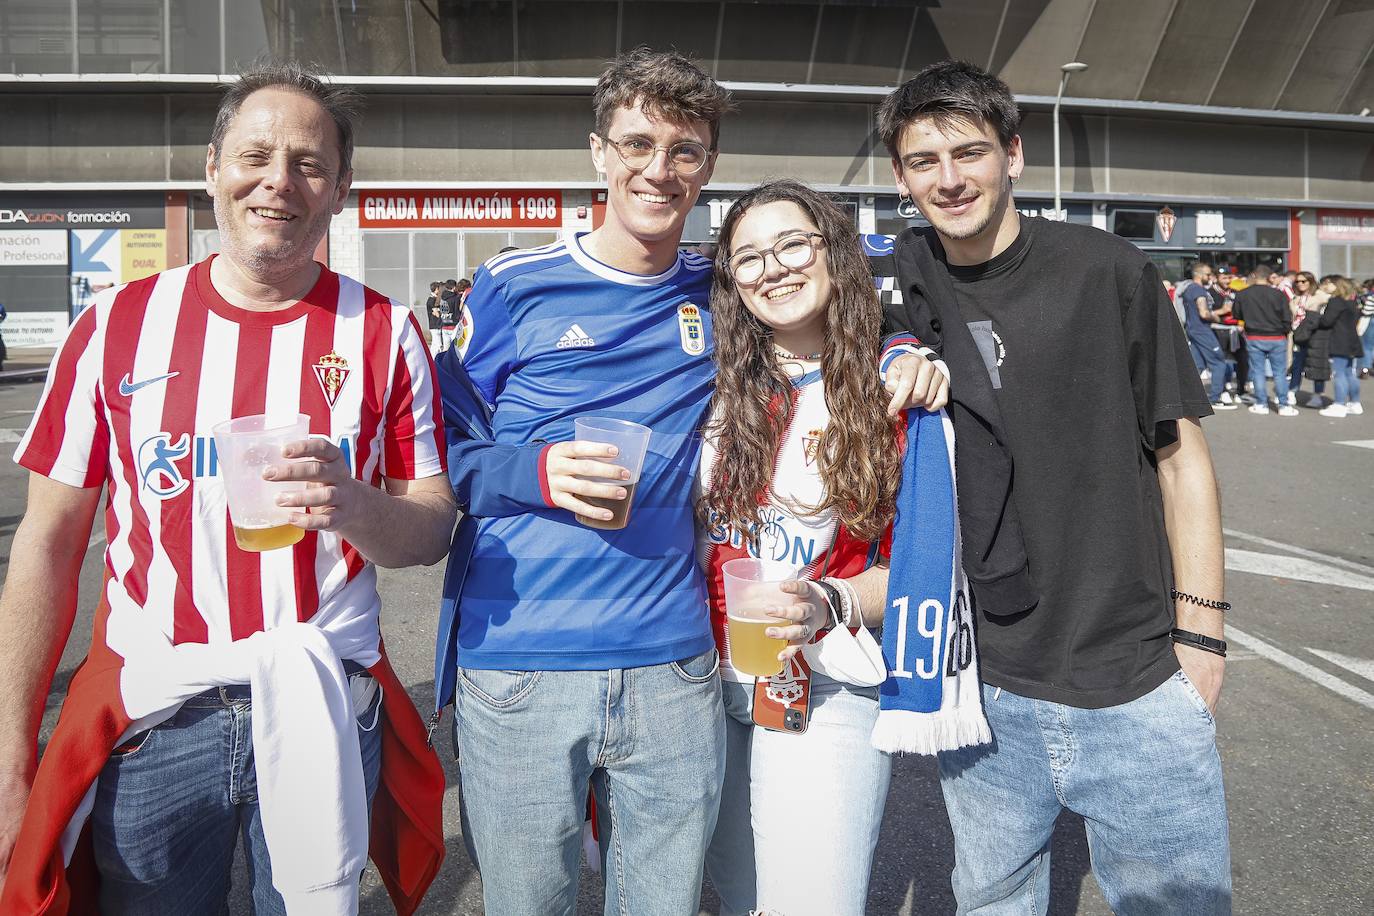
(1198, 641)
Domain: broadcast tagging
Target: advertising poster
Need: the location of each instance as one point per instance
(144, 253)
(34, 329)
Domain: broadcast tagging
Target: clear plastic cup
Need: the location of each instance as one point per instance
(244, 448)
(750, 587)
(632, 441)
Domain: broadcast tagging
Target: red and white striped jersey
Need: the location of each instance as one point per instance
(146, 372)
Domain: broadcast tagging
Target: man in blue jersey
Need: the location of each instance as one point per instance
(585, 655)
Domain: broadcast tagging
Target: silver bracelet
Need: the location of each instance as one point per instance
(849, 599)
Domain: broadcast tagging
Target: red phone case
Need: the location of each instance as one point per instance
(782, 703)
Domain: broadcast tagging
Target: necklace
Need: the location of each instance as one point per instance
(796, 357)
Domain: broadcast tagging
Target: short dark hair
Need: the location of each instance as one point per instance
(435, 285)
(665, 84)
(1198, 267)
(949, 91)
(341, 103)
(1261, 272)
(450, 283)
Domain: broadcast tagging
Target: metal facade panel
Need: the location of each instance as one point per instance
(1120, 40)
(1083, 153)
(1033, 68)
(82, 138)
(762, 141)
(1338, 49)
(1342, 165)
(1269, 44)
(1195, 159)
(862, 45)
(1193, 48)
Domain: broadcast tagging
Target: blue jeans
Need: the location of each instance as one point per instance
(1347, 383)
(649, 740)
(1367, 340)
(1207, 354)
(1145, 776)
(172, 802)
(1274, 355)
(1295, 373)
(786, 793)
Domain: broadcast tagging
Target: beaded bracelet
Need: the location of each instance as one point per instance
(849, 599)
(1200, 602)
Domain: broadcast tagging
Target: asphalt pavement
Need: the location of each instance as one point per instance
(1296, 724)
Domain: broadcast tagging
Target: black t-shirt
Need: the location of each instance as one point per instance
(1090, 369)
(1264, 311)
(431, 306)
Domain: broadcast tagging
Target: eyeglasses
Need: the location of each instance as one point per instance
(1302, 281)
(686, 157)
(796, 251)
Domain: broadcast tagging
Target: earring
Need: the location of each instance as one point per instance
(906, 207)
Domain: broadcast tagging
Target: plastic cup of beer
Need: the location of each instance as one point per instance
(244, 448)
(632, 441)
(751, 586)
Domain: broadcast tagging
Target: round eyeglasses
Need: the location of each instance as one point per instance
(686, 157)
(795, 251)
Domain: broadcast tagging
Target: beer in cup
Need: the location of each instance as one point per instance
(245, 447)
(750, 587)
(632, 441)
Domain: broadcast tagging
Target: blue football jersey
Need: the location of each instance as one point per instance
(557, 335)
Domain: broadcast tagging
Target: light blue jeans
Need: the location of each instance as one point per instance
(1145, 776)
(172, 803)
(649, 740)
(800, 814)
(1347, 383)
(1272, 354)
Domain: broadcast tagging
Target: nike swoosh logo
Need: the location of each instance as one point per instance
(128, 387)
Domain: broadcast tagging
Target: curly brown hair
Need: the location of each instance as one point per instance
(665, 84)
(752, 405)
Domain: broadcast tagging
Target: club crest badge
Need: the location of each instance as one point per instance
(811, 445)
(786, 686)
(332, 372)
(691, 329)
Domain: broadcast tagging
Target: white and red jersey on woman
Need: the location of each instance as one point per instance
(814, 544)
(151, 367)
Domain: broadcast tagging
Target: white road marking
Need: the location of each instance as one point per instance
(10, 436)
(1301, 551)
(1358, 443)
(1302, 668)
(1268, 564)
(95, 539)
(1364, 667)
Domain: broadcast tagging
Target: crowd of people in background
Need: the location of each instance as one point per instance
(1248, 330)
(444, 309)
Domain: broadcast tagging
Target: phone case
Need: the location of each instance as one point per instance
(782, 703)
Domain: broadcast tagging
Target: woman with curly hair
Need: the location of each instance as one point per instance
(800, 464)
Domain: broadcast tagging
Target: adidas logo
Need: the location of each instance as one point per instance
(575, 337)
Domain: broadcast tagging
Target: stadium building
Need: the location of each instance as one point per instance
(1233, 130)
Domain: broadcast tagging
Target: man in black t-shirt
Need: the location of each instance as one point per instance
(1086, 498)
(432, 315)
(1268, 322)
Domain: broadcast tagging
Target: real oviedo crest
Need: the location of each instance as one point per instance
(691, 329)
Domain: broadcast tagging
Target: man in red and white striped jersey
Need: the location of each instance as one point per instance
(227, 692)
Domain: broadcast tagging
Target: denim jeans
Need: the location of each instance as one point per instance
(171, 803)
(1207, 354)
(1145, 776)
(809, 806)
(1367, 340)
(649, 740)
(1346, 382)
(1295, 373)
(1274, 355)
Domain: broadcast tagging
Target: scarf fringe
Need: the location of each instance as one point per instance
(902, 731)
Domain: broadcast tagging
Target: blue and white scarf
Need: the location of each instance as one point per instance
(931, 700)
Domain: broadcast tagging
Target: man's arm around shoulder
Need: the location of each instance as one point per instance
(1192, 518)
(37, 609)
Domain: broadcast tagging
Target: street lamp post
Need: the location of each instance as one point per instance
(1067, 70)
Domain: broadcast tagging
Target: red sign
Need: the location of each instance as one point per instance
(457, 209)
(1345, 225)
(1166, 221)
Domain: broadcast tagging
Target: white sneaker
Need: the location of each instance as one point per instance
(1286, 411)
(1291, 400)
(1227, 399)
(1353, 409)
(1259, 408)
(1335, 410)
(1316, 401)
